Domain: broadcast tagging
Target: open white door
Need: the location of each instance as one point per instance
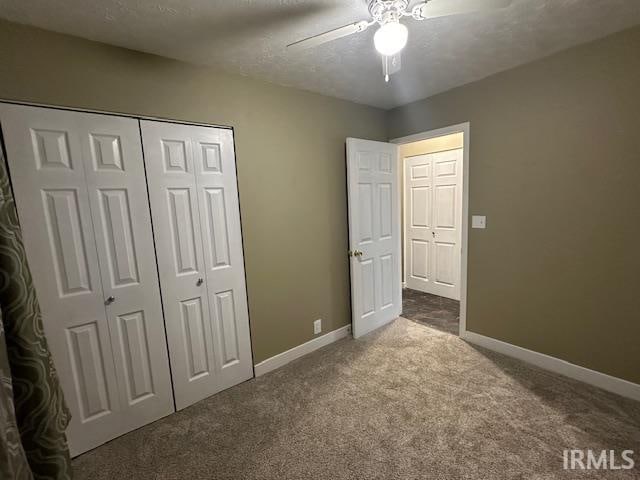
(374, 234)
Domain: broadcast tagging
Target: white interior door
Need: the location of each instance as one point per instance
(374, 234)
(194, 202)
(81, 198)
(433, 222)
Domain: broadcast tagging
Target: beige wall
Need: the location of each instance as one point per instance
(290, 156)
(555, 166)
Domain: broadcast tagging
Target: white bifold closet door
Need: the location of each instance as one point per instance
(433, 216)
(194, 203)
(80, 191)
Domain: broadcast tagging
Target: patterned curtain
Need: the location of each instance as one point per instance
(33, 414)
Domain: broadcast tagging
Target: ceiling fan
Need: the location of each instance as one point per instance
(392, 35)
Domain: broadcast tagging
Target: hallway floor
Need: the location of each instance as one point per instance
(436, 312)
(405, 402)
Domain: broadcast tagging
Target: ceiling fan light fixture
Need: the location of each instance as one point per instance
(391, 38)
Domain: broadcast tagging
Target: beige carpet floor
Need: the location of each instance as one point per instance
(407, 402)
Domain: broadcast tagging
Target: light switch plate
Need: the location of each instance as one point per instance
(478, 221)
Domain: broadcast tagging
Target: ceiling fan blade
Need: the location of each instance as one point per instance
(443, 8)
(329, 36)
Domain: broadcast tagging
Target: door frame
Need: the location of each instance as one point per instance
(465, 129)
(135, 116)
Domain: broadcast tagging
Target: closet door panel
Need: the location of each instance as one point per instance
(81, 196)
(192, 183)
(220, 217)
(117, 191)
(176, 222)
(44, 150)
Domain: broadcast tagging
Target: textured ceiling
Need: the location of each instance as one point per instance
(249, 37)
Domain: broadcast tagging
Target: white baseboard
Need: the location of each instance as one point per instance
(283, 358)
(553, 364)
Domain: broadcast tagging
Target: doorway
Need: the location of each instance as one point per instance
(433, 173)
(377, 247)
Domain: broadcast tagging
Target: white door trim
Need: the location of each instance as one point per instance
(135, 116)
(465, 129)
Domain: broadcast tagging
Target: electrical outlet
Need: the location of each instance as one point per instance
(317, 326)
